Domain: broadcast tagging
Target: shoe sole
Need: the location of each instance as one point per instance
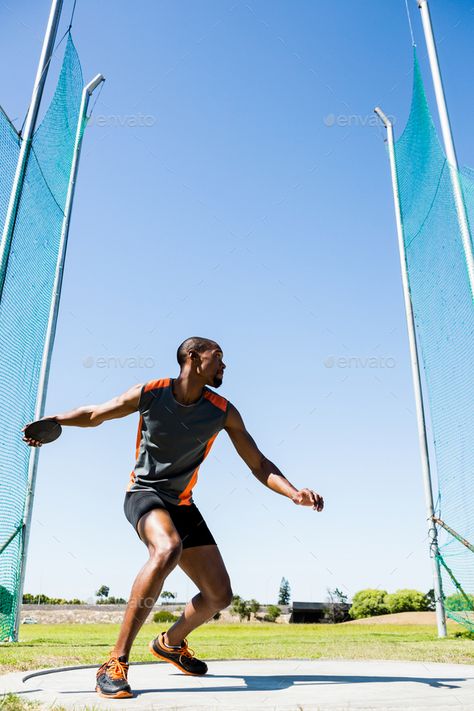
(170, 661)
(117, 695)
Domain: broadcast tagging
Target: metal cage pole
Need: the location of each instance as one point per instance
(27, 135)
(448, 140)
(51, 331)
(416, 375)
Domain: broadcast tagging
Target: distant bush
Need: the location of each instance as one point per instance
(407, 601)
(430, 600)
(240, 607)
(336, 607)
(367, 603)
(244, 608)
(164, 616)
(167, 595)
(464, 634)
(254, 605)
(458, 602)
(111, 601)
(273, 612)
(29, 599)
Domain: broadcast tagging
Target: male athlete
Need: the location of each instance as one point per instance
(179, 421)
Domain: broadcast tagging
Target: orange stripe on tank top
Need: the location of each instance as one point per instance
(185, 496)
(137, 449)
(154, 384)
(216, 400)
(151, 385)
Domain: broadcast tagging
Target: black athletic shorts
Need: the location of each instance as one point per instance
(188, 520)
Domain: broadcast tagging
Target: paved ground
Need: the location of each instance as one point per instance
(286, 685)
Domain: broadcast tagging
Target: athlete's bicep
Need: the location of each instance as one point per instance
(242, 440)
(120, 406)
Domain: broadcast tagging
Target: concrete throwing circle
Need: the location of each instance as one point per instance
(286, 685)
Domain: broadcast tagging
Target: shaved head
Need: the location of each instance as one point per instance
(195, 343)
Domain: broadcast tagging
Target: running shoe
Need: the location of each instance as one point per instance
(182, 657)
(112, 679)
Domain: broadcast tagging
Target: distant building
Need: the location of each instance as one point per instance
(312, 612)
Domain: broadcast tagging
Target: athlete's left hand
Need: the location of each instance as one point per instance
(308, 497)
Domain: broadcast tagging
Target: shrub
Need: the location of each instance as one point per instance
(430, 600)
(273, 612)
(111, 601)
(335, 609)
(164, 616)
(406, 601)
(29, 599)
(464, 634)
(254, 606)
(244, 608)
(240, 607)
(458, 602)
(367, 603)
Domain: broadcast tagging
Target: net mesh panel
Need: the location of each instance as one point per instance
(25, 307)
(9, 151)
(444, 321)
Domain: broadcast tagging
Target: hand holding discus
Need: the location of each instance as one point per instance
(41, 432)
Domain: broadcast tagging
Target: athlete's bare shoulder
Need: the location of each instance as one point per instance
(131, 396)
(234, 419)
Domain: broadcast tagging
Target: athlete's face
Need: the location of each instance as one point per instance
(213, 366)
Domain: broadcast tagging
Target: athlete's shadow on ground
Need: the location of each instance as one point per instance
(285, 681)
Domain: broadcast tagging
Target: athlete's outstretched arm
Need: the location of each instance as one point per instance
(94, 415)
(262, 468)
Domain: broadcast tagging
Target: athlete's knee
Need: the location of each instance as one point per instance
(221, 597)
(165, 553)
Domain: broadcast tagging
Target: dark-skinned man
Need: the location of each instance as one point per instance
(179, 421)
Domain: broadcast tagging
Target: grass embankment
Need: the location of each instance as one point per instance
(64, 645)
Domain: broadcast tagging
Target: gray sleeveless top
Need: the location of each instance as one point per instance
(173, 440)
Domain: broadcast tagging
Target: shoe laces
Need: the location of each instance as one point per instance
(114, 668)
(186, 651)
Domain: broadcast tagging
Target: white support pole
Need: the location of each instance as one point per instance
(448, 140)
(416, 375)
(27, 136)
(51, 330)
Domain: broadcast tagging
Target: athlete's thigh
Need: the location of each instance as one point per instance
(206, 568)
(156, 529)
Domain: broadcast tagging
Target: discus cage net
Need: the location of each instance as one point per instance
(27, 283)
(442, 302)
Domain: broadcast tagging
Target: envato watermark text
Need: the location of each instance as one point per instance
(122, 120)
(359, 362)
(118, 362)
(345, 120)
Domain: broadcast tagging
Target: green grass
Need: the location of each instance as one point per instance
(64, 645)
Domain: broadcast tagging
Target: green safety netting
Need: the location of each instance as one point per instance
(26, 301)
(9, 152)
(444, 320)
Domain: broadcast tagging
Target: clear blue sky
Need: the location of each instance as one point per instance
(234, 184)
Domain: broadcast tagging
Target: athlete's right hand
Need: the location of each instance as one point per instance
(30, 442)
(308, 497)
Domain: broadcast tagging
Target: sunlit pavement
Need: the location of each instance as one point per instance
(299, 685)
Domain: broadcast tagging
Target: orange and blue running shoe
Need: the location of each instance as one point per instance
(112, 679)
(182, 657)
